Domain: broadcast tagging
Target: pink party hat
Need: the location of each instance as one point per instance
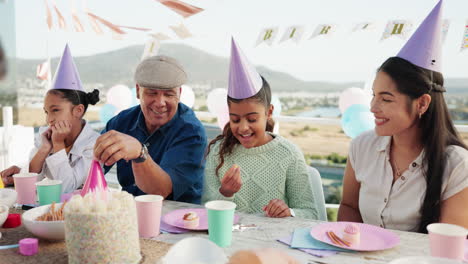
(95, 181)
(244, 80)
(66, 76)
(424, 47)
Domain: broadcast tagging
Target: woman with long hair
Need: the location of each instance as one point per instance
(412, 170)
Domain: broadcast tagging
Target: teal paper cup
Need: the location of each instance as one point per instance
(49, 191)
(220, 220)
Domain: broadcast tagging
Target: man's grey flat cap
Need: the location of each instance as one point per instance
(160, 72)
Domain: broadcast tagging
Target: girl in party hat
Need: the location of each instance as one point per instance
(64, 149)
(412, 169)
(249, 165)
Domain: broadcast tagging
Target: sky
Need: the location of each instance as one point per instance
(345, 56)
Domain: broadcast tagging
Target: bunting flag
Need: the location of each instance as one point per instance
(76, 22)
(115, 29)
(464, 45)
(61, 20)
(151, 48)
(160, 36)
(43, 71)
(135, 28)
(323, 30)
(267, 35)
(95, 25)
(363, 26)
(445, 29)
(181, 8)
(181, 31)
(400, 28)
(48, 15)
(293, 33)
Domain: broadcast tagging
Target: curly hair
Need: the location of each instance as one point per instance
(229, 141)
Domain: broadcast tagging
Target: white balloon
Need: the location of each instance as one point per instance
(187, 96)
(217, 101)
(119, 96)
(275, 101)
(353, 96)
(223, 119)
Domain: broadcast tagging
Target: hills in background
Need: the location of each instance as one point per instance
(204, 69)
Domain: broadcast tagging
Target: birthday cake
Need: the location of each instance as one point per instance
(102, 228)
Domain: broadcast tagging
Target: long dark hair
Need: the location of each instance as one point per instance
(229, 140)
(436, 124)
(77, 97)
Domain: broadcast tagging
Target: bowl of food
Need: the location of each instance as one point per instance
(8, 197)
(46, 221)
(3, 214)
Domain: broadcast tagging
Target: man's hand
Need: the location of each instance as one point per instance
(277, 208)
(114, 146)
(231, 182)
(8, 173)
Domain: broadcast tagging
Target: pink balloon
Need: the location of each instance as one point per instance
(353, 96)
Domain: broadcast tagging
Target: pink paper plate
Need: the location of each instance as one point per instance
(372, 237)
(174, 218)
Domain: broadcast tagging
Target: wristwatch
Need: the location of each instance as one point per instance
(143, 154)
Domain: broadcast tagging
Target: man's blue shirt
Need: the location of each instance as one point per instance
(178, 147)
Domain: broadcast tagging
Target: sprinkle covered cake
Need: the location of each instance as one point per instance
(102, 230)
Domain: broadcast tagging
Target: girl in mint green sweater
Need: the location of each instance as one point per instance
(259, 171)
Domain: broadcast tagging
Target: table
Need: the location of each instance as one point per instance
(270, 229)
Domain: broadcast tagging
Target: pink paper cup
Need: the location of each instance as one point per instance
(149, 214)
(447, 240)
(25, 187)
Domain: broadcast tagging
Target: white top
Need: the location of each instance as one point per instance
(398, 206)
(71, 169)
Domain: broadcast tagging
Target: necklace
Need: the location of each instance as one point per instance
(398, 173)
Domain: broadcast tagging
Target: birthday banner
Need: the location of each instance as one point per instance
(267, 35)
(323, 30)
(394, 28)
(293, 33)
(399, 28)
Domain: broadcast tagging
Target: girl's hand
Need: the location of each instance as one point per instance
(46, 145)
(277, 208)
(231, 182)
(60, 131)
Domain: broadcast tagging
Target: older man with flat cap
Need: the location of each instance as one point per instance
(158, 145)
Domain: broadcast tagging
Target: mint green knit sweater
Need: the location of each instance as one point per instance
(276, 170)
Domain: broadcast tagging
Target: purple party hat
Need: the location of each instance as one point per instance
(244, 80)
(424, 47)
(66, 76)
